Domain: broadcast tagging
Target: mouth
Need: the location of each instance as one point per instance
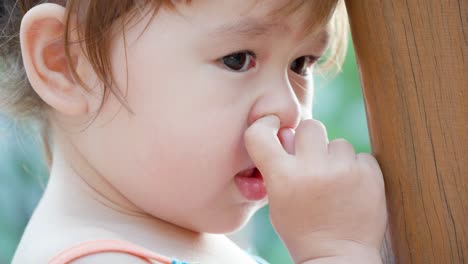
(250, 184)
(252, 172)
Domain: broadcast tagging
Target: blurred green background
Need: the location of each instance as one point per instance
(338, 103)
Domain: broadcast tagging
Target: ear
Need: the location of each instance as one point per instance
(43, 51)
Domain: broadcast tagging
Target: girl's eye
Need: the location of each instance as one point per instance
(239, 62)
(301, 65)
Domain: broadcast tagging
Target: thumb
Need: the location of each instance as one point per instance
(264, 147)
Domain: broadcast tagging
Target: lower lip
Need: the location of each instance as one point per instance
(253, 188)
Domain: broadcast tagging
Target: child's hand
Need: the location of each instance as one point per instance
(324, 199)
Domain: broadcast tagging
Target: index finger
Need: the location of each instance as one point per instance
(263, 145)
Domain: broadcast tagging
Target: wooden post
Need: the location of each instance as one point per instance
(413, 62)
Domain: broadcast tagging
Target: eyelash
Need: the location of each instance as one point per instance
(249, 61)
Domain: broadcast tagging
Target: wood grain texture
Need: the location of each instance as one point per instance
(413, 62)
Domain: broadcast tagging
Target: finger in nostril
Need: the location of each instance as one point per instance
(286, 137)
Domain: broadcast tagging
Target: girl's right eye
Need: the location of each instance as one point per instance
(240, 61)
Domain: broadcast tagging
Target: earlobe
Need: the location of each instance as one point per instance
(43, 52)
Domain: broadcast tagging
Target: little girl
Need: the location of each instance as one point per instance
(169, 123)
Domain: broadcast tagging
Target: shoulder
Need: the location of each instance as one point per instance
(110, 257)
(101, 251)
(42, 247)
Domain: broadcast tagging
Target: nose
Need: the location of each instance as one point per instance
(277, 98)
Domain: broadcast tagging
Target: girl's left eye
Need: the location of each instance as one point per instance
(240, 61)
(302, 64)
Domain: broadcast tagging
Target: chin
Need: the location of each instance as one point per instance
(225, 223)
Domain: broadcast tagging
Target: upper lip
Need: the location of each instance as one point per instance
(247, 172)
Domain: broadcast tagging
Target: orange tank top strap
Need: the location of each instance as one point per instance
(105, 246)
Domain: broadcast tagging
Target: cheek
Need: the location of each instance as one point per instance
(194, 144)
(193, 159)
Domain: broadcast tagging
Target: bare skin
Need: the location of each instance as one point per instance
(147, 178)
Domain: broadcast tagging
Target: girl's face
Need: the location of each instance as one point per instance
(176, 158)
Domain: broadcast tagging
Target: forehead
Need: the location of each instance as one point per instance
(301, 17)
(235, 7)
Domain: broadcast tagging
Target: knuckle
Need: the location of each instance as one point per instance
(341, 143)
(367, 160)
(363, 160)
(369, 165)
(345, 168)
(311, 124)
(342, 149)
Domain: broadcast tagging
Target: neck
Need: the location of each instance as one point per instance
(82, 194)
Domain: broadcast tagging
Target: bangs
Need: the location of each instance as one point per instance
(319, 13)
(330, 15)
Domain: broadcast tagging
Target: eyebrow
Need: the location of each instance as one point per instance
(249, 28)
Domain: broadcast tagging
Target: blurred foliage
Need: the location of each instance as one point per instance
(338, 103)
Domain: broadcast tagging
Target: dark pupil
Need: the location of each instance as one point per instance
(235, 61)
(298, 65)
